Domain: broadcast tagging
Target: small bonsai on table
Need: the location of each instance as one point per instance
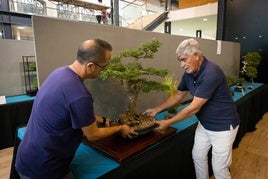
(250, 64)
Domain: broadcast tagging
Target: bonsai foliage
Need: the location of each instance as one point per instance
(250, 64)
(235, 81)
(133, 76)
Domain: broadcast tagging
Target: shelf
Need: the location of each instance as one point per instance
(30, 75)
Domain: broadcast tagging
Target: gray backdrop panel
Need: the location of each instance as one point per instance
(56, 43)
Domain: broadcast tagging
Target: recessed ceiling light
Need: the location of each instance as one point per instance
(205, 19)
(236, 38)
(260, 36)
(244, 37)
(20, 27)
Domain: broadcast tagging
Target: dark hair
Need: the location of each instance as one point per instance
(94, 52)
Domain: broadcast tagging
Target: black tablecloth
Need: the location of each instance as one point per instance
(11, 116)
(172, 158)
(251, 108)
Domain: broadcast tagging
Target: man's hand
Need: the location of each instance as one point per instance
(150, 112)
(162, 126)
(127, 132)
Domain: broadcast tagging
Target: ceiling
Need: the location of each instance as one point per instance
(192, 3)
(186, 27)
(187, 21)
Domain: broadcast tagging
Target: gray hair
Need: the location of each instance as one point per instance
(188, 47)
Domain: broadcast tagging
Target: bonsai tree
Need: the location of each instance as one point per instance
(231, 80)
(240, 81)
(250, 64)
(133, 76)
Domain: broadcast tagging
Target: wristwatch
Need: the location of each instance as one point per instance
(103, 122)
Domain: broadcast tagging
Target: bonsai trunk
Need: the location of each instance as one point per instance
(141, 123)
(133, 92)
(132, 103)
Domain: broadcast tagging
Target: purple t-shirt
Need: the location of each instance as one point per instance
(219, 112)
(62, 106)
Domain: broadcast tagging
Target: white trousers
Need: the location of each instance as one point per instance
(221, 143)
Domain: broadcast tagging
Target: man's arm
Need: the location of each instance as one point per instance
(93, 132)
(188, 111)
(170, 101)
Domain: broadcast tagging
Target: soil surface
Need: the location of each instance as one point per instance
(138, 121)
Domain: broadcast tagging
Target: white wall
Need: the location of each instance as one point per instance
(185, 22)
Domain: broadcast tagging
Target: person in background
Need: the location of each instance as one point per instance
(213, 105)
(105, 16)
(62, 114)
(98, 15)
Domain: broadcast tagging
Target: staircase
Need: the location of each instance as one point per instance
(149, 22)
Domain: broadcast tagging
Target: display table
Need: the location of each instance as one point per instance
(14, 113)
(176, 161)
(251, 107)
(169, 158)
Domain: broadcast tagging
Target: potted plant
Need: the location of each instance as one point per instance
(35, 83)
(172, 89)
(32, 66)
(136, 79)
(250, 63)
(238, 82)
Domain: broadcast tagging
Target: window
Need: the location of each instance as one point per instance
(67, 11)
(28, 6)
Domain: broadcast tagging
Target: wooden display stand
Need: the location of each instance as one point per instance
(121, 149)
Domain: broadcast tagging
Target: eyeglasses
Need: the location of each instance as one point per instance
(102, 67)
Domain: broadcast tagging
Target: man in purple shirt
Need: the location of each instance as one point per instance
(213, 105)
(62, 114)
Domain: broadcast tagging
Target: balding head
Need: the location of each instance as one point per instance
(93, 50)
